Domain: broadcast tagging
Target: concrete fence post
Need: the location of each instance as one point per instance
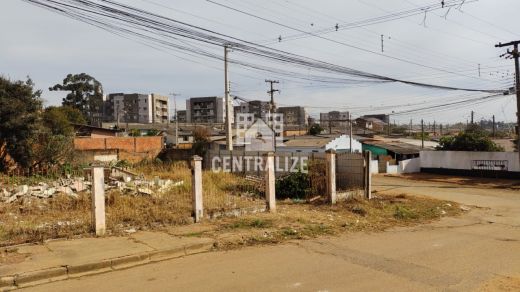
(270, 182)
(368, 175)
(331, 176)
(196, 187)
(98, 200)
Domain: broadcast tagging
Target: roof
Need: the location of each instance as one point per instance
(309, 141)
(89, 127)
(395, 146)
(374, 120)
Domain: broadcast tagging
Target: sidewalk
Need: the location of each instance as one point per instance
(29, 265)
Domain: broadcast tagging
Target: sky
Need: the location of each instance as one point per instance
(47, 46)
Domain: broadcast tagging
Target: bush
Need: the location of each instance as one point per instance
(470, 140)
(293, 186)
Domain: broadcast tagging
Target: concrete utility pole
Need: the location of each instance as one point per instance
(229, 108)
(389, 125)
(422, 134)
(271, 92)
(515, 54)
(494, 126)
(472, 117)
(350, 136)
(176, 119)
(434, 128)
(410, 127)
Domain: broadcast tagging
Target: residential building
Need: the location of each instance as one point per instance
(320, 144)
(206, 110)
(136, 108)
(294, 115)
(181, 116)
(259, 108)
(372, 124)
(334, 119)
(382, 117)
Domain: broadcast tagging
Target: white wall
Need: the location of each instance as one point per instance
(410, 165)
(463, 159)
(374, 167)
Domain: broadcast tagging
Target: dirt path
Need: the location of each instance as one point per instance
(477, 251)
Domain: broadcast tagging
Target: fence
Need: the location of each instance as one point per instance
(350, 171)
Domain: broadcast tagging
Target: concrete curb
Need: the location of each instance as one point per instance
(38, 277)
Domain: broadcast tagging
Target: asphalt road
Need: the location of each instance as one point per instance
(455, 254)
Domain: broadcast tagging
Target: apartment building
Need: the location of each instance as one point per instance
(334, 119)
(136, 108)
(206, 110)
(259, 108)
(294, 115)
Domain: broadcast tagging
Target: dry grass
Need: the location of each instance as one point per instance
(35, 220)
(303, 221)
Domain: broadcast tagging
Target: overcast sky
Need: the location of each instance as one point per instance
(47, 46)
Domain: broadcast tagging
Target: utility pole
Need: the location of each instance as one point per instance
(350, 136)
(515, 54)
(382, 43)
(229, 108)
(176, 119)
(441, 130)
(422, 134)
(410, 127)
(494, 126)
(472, 117)
(271, 93)
(478, 70)
(434, 128)
(389, 125)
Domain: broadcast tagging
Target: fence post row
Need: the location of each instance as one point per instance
(368, 175)
(196, 187)
(331, 176)
(98, 200)
(270, 181)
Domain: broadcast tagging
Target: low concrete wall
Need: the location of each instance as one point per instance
(374, 166)
(464, 160)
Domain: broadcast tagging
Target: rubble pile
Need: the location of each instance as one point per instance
(68, 186)
(124, 181)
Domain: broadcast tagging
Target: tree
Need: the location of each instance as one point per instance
(20, 105)
(86, 95)
(200, 141)
(473, 139)
(59, 120)
(315, 129)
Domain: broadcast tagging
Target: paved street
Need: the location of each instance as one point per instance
(457, 254)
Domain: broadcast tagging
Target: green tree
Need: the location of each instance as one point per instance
(86, 95)
(200, 141)
(20, 105)
(315, 129)
(59, 120)
(473, 139)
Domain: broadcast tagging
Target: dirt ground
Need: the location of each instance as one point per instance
(492, 183)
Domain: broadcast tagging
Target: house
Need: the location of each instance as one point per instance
(320, 143)
(397, 150)
(94, 132)
(372, 124)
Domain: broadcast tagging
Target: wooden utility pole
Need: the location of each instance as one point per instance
(422, 134)
(515, 54)
(229, 108)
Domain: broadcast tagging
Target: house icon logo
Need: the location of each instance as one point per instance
(259, 134)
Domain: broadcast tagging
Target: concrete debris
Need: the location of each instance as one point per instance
(464, 208)
(123, 180)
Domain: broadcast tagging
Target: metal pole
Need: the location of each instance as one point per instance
(229, 135)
